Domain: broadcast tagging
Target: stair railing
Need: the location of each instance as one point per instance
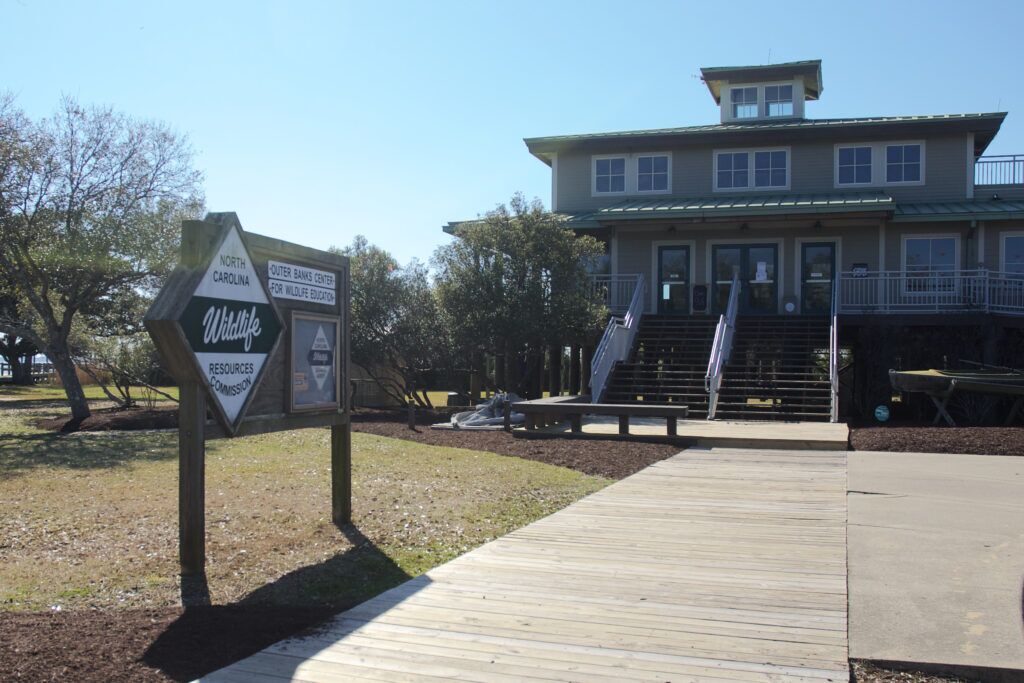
(833, 354)
(617, 341)
(721, 347)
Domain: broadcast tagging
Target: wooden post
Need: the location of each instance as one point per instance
(341, 473)
(576, 422)
(555, 370)
(574, 370)
(624, 425)
(507, 413)
(192, 479)
(671, 426)
(474, 378)
(585, 358)
(542, 374)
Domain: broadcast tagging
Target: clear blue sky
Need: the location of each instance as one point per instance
(317, 121)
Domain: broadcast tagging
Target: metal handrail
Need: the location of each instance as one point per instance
(1000, 169)
(617, 341)
(952, 291)
(721, 347)
(833, 355)
(615, 290)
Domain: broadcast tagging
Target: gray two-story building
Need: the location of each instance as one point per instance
(747, 254)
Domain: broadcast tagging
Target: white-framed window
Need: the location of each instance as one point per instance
(744, 102)
(903, 163)
(771, 168)
(1012, 255)
(878, 164)
(853, 165)
(652, 173)
(733, 170)
(757, 169)
(930, 263)
(778, 100)
(610, 175)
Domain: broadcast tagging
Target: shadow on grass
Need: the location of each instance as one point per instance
(20, 453)
(206, 638)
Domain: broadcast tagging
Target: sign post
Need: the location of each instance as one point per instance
(221, 325)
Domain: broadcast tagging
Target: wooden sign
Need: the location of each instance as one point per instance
(255, 330)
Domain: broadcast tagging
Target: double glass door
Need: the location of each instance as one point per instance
(817, 273)
(757, 265)
(673, 279)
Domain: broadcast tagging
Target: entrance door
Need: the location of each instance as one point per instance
(673, 279)
(757, 265)
(817, 272)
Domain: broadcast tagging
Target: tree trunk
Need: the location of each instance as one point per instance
(555, 370)
(65, 367)
(574, 370)
(21, 371)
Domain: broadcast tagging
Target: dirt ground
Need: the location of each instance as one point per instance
(908, 438)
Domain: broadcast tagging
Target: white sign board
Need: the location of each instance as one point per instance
(299, 283)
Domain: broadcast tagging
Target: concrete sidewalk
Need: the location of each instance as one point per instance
(936, 558)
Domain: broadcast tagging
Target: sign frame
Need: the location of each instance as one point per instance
(314, 407)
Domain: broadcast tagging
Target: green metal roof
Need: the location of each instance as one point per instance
(989, 209)
(790, 124)
(810, 69)
(757, 205)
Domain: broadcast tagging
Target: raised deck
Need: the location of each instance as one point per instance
(713, 565)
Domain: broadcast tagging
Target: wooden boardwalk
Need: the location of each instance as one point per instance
(714, 565)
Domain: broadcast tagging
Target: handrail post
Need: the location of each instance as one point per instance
(721, 347)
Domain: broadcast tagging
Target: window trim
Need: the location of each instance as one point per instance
(854, 145)
(1002, 246)
(751, 170)
(878, 163)
(758, 99)
(593, 175)
(635, 160)
(957, 255)
(792, 99)
(885, 161)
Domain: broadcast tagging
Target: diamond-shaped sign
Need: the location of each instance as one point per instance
(226, 320)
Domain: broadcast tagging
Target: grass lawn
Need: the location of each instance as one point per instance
(49, 392)
(90, 519)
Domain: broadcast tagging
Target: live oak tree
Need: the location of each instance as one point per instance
(90, 206)
(515, 282)
(394, 332)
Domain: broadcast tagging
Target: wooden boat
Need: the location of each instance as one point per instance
(1001, 381)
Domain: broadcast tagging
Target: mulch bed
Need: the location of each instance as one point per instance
(866, 672)
(115, 419)
(908, 438)
(612, 459)
(140, 645)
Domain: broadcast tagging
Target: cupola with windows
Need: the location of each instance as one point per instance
(763, 93)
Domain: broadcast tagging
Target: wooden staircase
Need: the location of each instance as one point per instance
(778, 370)
(667, 365)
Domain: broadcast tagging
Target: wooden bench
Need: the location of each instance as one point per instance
(544, 411)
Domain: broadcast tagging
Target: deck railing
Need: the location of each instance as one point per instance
(1005, 169)
(616, 290)
(721, 347)
(833, 356)
(962, 291)
(617, 341)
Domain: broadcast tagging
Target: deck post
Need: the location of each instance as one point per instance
(574, 370)
(586, 356)
(624, 425)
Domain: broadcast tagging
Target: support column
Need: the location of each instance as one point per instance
(555, 370)
(586, 355)
(574, 369)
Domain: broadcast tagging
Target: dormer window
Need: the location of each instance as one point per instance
(778, 100)
(744, 103)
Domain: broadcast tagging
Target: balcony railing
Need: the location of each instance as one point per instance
(617, 290)
(964, 291)
(1006, 169)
